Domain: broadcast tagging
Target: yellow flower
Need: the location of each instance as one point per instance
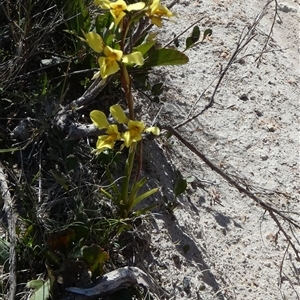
(118, 8)
(135, 130)
(109, 63)
(118, 114)
(99, 119)
(95, 41)
(156, 11)
(108, 141)
(132, 135)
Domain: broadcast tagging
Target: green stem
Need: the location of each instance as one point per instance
(128, 171)
(126, 83)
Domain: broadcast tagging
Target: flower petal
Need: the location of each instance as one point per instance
(156, 21)
(154, 130)
(113, 54)
(95, 41)
(136, 127)
(119, 4)
(133, 58)
(127, 139)
(108, 141)
(99, 119)
(107, 66)
(118, 114)
(104, 142)
(113, 132)
(136, 6)
(117, 15)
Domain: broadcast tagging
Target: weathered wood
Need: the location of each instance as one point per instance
(113, 281)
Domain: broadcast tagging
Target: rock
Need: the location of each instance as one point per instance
(244, 97)
(286, 7)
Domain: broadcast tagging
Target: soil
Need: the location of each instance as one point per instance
(218, 243)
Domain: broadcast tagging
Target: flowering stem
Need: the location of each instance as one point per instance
(128, 171)
(125, 79)
(126, 83)
(140, 161)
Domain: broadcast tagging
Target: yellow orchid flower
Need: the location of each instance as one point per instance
(95, 41)
(109, 63)
(135, 130)
(132, 135)
(118, 8)
(118, 114)
(99, 119)
(108, 141)
(156, 11)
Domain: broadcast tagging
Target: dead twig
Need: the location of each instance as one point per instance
(258, 59)
(243, 41)
(271, 210)
(8, 207)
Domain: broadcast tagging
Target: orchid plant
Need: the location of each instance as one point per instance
(117, 54)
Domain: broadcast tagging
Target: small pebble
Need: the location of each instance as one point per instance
(244, 97)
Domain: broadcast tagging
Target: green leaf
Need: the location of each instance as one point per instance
(35, 284)
(193, 38)
(207, 32)
(95, 256)
(144, 210)
(103, 22)
(9, 150)
(78, 15)
(180, 185)
(165, 57)
(157, 89)
(42, 289)
(4, 251)
(60, 179)
(133, 192)
(144, 196)
(144, 48)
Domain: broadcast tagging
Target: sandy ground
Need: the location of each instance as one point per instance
(229, 250)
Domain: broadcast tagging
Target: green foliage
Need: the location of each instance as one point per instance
(41, 289)
(165, 57)
(4, 251)
(95, 256)
(180, 185)
(192, 40)
(126, 197)
(62, 215)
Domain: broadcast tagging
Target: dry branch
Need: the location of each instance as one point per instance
(244, 40)
(245, 190)
(113, 281)
(8, 207)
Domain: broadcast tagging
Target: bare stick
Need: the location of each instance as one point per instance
(272, 211)
(258, 59)
(11, 218)
(244, 40)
